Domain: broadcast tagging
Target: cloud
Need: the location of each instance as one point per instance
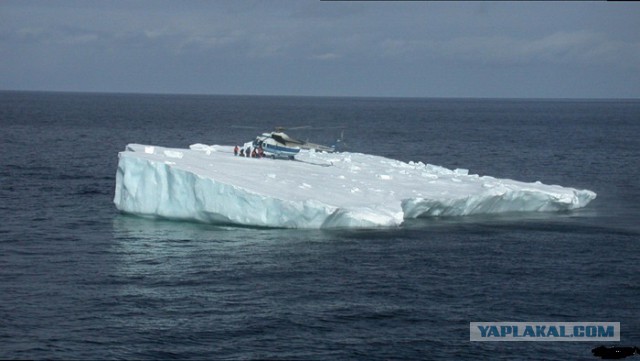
(579, 47)
(403, 46)
(326, 56)
(61, 35)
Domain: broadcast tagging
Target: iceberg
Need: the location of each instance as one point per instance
(207, 183)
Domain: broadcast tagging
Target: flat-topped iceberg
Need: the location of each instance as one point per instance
(317, 190)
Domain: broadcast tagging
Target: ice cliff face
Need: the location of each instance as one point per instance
(319, 190)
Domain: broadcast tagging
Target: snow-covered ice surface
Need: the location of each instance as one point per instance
(319, 190)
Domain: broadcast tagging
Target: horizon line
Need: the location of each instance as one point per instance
(310, 96)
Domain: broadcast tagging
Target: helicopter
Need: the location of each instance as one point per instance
(278, 144)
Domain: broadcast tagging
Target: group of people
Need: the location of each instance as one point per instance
(256, 152)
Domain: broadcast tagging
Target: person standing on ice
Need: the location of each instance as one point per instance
(254, 154)
(235, 150)
(242, 152)
(248, 152)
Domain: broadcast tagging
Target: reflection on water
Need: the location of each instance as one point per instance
(126, 227)
(144, 230)
(132, 227)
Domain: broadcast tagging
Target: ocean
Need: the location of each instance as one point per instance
(79, 280)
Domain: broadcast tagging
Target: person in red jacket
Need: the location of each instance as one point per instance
(235, 150)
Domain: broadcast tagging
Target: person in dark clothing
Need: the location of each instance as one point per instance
(242, 152)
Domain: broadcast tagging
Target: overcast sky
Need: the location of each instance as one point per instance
(336, 48)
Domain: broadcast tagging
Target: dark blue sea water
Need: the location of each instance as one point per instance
(79, 280)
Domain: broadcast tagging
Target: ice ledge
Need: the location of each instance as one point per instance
(352, 190)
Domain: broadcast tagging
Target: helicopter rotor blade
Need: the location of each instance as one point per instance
(309, 127)
(280, 128)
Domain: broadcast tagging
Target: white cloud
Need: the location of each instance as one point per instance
(56, 36)
(326, 56)
(579, 47)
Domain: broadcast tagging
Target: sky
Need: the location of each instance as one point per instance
(323, 48)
